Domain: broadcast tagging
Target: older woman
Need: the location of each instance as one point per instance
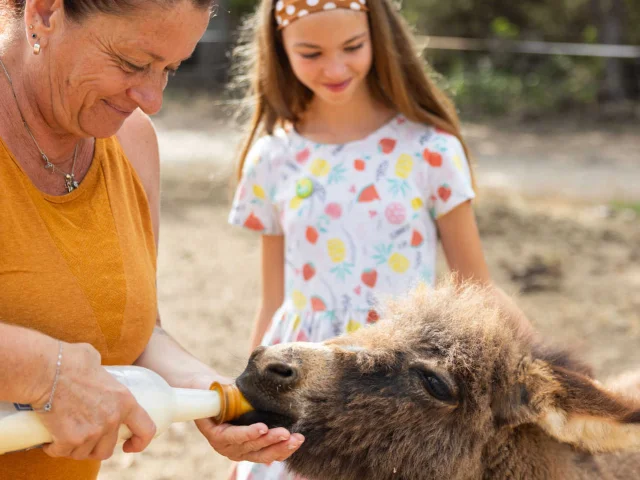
(79, 181)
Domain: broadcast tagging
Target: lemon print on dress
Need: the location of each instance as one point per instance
(404, 166)
(320, 167)
(352, 326)
(457, 161)
(295, 203)
(399, 263)
(299, 300)
(403, 169)
(396, 261)
(296, 323)
(416, 203)
(337, 250)
(258, 191)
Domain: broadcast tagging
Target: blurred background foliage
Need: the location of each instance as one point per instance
(500, 82)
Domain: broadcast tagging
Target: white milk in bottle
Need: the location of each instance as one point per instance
(20, 426)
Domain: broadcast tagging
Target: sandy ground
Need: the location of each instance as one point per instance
(546, 231)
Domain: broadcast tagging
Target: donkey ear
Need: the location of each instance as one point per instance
(531, 393)
(573, 408)
(589, 416)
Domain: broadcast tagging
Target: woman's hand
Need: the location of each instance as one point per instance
(89, 406)
(255, 443)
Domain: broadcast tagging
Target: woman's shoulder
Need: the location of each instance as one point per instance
(139, 141)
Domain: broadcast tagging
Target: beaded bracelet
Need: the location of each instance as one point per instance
(49, 405)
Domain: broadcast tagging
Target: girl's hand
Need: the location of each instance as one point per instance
(89, 406)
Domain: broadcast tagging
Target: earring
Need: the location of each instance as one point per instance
(36, 48)
(33, 35)
(31, 27)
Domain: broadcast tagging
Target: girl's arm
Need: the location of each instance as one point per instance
(461, 244)
(462, 248)
(272, 278)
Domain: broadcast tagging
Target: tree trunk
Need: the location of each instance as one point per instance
(610, 16)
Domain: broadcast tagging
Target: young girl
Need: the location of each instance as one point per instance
(359, 168)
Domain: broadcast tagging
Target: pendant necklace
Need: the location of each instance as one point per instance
(69, 179)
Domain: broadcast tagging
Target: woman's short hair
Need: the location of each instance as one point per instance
(78, 10)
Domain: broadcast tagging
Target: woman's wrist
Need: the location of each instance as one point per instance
(43, 384)
(202, 380)
(48, 406)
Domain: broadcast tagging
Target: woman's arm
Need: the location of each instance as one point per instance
(28, 366)
(463, 249)
(179, 368)
(164, 355)
(88, 404)
(272, 285)
(255, 443)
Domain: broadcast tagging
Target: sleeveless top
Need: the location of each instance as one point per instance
(81, 268)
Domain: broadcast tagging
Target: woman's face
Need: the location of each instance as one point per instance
(330, 53)
(103, 68)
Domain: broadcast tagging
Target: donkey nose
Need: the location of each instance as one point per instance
(257, 353)
(282, 373)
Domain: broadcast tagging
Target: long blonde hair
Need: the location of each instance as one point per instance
(398, 76)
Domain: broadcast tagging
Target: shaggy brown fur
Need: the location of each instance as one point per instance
(445, 387)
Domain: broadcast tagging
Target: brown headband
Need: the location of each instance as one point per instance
(288, 11)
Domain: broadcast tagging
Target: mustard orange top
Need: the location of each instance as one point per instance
(79, 267)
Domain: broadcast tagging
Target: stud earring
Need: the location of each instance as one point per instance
(31, 27)
(33, 35)
(36, 48)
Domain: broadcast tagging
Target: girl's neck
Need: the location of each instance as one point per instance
(325, 122)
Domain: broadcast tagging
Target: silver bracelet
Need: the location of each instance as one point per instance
(49, 405)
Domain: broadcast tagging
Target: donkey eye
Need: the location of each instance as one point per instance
(436, 387)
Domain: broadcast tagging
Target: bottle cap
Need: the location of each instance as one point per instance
(232, 403)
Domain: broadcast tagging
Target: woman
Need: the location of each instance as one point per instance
(79, 176)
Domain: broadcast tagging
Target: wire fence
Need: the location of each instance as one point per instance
(501, 45)
(212, 60)
(529, 47)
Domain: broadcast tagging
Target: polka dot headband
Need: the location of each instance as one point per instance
(288, 11)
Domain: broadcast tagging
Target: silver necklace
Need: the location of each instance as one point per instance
(70, 181)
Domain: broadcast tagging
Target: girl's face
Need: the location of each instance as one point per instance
(330, 53)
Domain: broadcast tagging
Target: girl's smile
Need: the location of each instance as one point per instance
(338, 87)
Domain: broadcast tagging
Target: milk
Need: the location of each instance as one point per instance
(20, 426)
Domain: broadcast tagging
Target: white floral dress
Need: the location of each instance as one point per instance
(359, 225)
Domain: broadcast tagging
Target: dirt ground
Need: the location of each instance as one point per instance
(548, 232)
